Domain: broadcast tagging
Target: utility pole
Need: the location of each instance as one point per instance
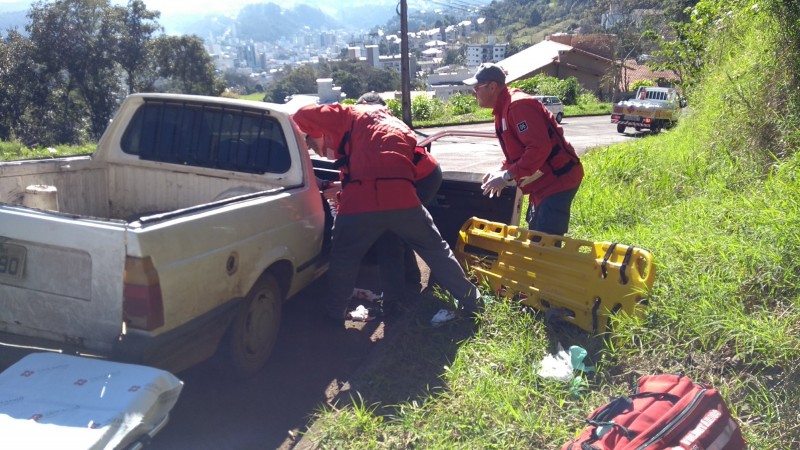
(405, 78)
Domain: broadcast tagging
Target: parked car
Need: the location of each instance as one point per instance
(553, 104)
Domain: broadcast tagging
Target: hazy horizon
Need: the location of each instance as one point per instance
(175, 14)
(215, 6)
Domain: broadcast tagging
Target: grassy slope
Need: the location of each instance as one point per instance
(716, 202)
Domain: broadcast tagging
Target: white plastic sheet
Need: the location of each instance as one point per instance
(51, 400)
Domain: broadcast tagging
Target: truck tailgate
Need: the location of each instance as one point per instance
(61, 277)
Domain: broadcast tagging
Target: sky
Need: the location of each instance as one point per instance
(165, 6)
(196, 6)
(172, 9)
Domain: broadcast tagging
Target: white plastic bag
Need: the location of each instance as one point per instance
(558, 366)
(562, 365)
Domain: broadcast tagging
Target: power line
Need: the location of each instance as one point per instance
(471, 4)
(459, 5)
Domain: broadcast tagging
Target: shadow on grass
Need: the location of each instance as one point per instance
(409, 365)
(415, 355)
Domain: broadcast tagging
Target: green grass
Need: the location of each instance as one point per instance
(14, 150)
(593, 109)
(485, 115)
(255, 96)
(716, 200)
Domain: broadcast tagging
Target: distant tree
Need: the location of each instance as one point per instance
(534, 18)
(302, 80)
(27, 110)
(77, 38)
(568, 90)
(15, 52)
(382, 80)
(352, 85)
(185, 64)
(355, 78)
(454, 56)
(639, 83)
(682, 51)
(239, 82)
(139, 25)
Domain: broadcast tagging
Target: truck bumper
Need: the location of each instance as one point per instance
(180, 348)
(632, 123)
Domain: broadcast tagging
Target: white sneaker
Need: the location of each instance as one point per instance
(442, 317)
(360, 314)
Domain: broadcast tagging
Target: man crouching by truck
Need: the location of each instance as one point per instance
(538, 157)
(374, 153)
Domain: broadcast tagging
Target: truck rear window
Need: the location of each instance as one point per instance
(197, 134)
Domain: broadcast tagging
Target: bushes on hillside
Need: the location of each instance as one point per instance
(567, 90)
(432, 109)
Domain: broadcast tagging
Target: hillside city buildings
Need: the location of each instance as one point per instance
(588, 58)
(264, 61)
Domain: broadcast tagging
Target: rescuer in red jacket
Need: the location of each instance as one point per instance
(543, 164)
(374, 152)
(397, 263)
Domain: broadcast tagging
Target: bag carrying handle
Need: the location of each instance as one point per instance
(605, 415)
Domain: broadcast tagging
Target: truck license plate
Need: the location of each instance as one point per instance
(12, 260)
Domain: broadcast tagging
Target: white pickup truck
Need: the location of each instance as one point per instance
(651, 108)
(191, 223)
(181, 236)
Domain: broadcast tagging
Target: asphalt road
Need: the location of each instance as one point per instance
(463, 154)
(313, 358)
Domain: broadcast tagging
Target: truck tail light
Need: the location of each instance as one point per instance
(648, 120)
(142, 306)
(615, 117)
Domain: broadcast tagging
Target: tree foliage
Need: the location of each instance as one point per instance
(568, 90)
(62, 82)
(185, 63)
(134, 44)
(354, 77)
(27, 94)
(76, 39)
(302, 80)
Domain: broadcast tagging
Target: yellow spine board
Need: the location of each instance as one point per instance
(584, 280)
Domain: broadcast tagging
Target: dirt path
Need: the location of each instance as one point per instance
(313, 363)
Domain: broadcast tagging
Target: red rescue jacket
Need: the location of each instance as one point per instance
(532, 140)
(374, 152)
(425, 163)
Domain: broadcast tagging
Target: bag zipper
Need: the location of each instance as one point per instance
(669, 427)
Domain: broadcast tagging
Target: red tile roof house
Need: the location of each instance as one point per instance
(588, 59)
(632, 72)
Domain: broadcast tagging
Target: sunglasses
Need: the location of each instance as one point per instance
(478, 86)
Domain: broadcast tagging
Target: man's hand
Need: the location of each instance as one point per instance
(494, 182)
(331, 189)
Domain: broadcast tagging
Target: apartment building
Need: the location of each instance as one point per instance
(478, 54)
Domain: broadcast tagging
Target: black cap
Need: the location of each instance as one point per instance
(487, 72)
(371, 98)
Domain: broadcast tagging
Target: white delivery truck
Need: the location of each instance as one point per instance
(651, 108)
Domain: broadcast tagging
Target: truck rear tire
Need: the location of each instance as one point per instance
(620, 128)
(254, 330)
(559, 117)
